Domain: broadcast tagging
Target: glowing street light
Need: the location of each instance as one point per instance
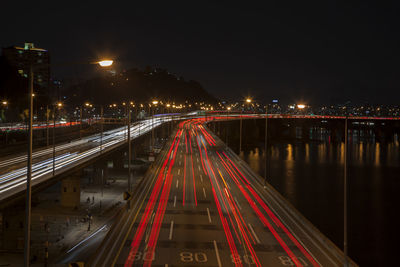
(301, 106)
(105, 63)
(248, 100)
(59, 104)
(155, 102)
(4, 103)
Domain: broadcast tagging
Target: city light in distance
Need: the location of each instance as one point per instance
(248, 100)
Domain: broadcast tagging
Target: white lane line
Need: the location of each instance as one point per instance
(254, 233)
(174, 201)
(197, 160)
(201, 178)
(180, 162)
(179, 171)
(217, 254)
(177, 183)
(199, 168)
(237, 202)
(228, 186)
(204, 192)
(171, 229)
(209, 216)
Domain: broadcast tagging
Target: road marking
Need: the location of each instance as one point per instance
(217, 254)
(204, 192)
(197, 160)
(201, 178)
(254, 233)
(179, 171)
(199, 168)
(177, 183)
(171, 229)
(237, 202)
(209, 217)
(174, 201)
(180, 162)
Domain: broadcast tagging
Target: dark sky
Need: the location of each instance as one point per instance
(319, 52)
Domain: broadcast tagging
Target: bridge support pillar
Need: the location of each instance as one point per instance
(13, 219)
(118, 161)
(71, 191)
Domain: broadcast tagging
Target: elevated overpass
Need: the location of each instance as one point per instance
(77, 152)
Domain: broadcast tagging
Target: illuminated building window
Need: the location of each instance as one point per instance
(21, 72)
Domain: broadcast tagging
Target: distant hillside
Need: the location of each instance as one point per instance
(139, 86)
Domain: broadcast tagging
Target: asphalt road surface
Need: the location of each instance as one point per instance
(202, 206)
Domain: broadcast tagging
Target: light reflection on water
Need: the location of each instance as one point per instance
(310, 175)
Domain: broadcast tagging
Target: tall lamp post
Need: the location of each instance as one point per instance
(4, 103)
(155, 102)
(345, 245)
(55, 108)
(266, 144)
(27, 231)
(248, 101)
(129, 149)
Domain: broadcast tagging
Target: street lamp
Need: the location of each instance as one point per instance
(27, 234)
(105, 63)
(266, 145)
(58, 105)
(301, 106)
(154, 102)
(248, 101)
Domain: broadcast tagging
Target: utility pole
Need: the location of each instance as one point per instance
(27, 234)
(129, 149)
(80, 124)
(47, 125)
(345, 248)
(240, 132)
(54, 138)
(101, 128)
(152, 130)
(265, 144)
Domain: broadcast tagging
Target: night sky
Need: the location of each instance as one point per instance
(320, 52)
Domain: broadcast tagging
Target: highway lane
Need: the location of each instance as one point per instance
(203, 207)
(69, 155)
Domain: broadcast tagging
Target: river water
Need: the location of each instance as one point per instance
(310, 175)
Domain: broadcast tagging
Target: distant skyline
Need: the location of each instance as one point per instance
(322, 52)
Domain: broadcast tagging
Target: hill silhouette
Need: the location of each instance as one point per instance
(140, 86)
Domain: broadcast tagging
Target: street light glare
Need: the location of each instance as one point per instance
(248, 100)
(155, 102)
(105, 63)
(301, 106)
(59, 104)
(4, 103)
